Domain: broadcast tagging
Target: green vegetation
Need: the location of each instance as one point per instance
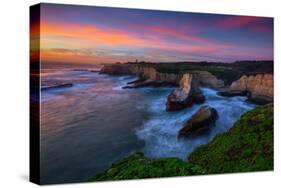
(248, 146)
(137, 166)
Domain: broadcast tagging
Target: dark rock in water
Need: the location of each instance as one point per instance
(197, 96)
(57, 86)
(178, 100)
(184, 96)
(228, 93)
(260, 100)
(146, 83)
(199, 123)
(94, 71)
(256, 99)
(139, 80)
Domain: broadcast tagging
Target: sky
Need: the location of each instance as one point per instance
(87, 34)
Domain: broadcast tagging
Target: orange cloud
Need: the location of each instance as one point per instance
(89, 33)
(65, 42)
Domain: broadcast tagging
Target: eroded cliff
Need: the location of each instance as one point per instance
(257, 85)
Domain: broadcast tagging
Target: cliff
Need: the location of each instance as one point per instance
(257, 85)
(150, 73)
(205, 78)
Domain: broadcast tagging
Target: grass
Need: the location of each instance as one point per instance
(137, 166)
(248, 146)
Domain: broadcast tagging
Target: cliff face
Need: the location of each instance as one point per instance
(151, 73)
(207, 79)
(260, 85)
(203, 78)
(185, 83)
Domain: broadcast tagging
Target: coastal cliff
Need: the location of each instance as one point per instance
(149, 73)
(207, 79)
(259, 88)
(258, 85)
(245, 79)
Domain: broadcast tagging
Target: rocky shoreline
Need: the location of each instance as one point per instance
(247, 147)
(256, 85)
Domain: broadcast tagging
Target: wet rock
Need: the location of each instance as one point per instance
(200, 123)
(229, 93)
(59, 86)
(184, 96)
(147, 83)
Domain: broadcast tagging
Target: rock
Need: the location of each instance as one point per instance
(199, 123)
(180, 97)
(136, 81)
(258, 88)
(207, 79)
(184, 96)
(260, 100)
(229, 93)
(147, 83)
(59, 86)
(197, 96)
(150, 73)
(257, 85)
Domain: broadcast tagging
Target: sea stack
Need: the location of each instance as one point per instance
(185, 95)
(199, 123)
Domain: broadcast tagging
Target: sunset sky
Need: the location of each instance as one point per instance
(85, 34)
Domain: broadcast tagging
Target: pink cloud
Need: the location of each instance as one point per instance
(237, 21)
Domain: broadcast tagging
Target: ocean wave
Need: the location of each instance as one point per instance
(160, 131)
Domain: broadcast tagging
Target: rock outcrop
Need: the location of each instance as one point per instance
(258, 88)
(258, 85)
(200, 123)
(150, 73)
(185, 95)
(207, 79)
(149, 76)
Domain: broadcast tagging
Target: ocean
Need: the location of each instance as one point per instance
(88, 122)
